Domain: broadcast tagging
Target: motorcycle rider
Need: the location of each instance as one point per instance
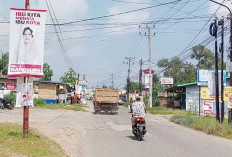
(138, 109)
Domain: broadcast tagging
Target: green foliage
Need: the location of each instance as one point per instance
(181, 72)
(39, 102)
(12, 143)
(74, 107)
(4, 63)
(157, 87)
(126, 104)
(48, 72)
(69, 77)
(134, 86)
(205, 124)
(166, 111)
(205, 58)
(11, 95)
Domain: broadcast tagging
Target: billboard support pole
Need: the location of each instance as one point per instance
(26, 108)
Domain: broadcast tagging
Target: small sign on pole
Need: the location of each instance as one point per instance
(166, 81)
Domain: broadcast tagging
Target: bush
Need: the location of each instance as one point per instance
(39, 102)
(205, 124)
(11, 95)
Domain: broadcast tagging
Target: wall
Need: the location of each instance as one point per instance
(192, 99)
(47, 91)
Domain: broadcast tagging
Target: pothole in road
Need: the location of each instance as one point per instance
(119, 127)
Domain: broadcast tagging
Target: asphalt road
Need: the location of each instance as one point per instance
(84, 134)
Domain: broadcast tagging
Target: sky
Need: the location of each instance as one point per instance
(97, 47)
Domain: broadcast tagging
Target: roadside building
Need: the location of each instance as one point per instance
(192, 97)
(50, 91)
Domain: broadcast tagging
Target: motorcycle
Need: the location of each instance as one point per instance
(6, 103)
(139, 129)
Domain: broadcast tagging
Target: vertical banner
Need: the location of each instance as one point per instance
(26, 49)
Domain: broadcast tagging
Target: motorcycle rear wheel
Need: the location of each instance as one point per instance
(140, 135)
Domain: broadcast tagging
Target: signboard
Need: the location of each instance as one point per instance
(208, 107)
(27, 30)
(166, 80)
(206, 77)
(11, 86)
(146, 71)
(205, 94)
(229, 66)
(228, 96)
(146, 81)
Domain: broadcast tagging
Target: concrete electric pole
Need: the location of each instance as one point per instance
(128, 77)
(148, 34)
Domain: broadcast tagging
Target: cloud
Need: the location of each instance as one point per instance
(133, 18)
(222, 11)
(66, 9)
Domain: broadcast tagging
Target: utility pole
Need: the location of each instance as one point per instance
(26, 108)
(112, 77)
(128, 77)
(140, 77)
(213, 32)
(78, 78)
(149, 60)
(229, 110)
(221, 49)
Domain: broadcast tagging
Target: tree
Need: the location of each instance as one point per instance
(4, 60)
(134, 86)
(157, 87)
(204, 57)
(69, 77)
(181, 72)
(48, 72)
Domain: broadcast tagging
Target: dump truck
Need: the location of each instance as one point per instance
(106, 99)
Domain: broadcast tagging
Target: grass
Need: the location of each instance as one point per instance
(166, 111)
(126, 104)
(75, 107)
(205, 124)
(12, 143)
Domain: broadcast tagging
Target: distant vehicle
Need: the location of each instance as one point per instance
(120, 102)
(106, 99)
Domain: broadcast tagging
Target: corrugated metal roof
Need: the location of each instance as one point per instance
(187, 84)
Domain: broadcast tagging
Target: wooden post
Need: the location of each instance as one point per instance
(26, 108)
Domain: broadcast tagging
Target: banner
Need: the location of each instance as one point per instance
(26, 49)
(228, 96)
(25, 91)
(208, 107)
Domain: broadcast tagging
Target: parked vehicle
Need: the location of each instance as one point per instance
(106, 99)
(6, 103)
(139, 129)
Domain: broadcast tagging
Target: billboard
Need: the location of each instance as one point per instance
(207, 78)
(26, 49)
